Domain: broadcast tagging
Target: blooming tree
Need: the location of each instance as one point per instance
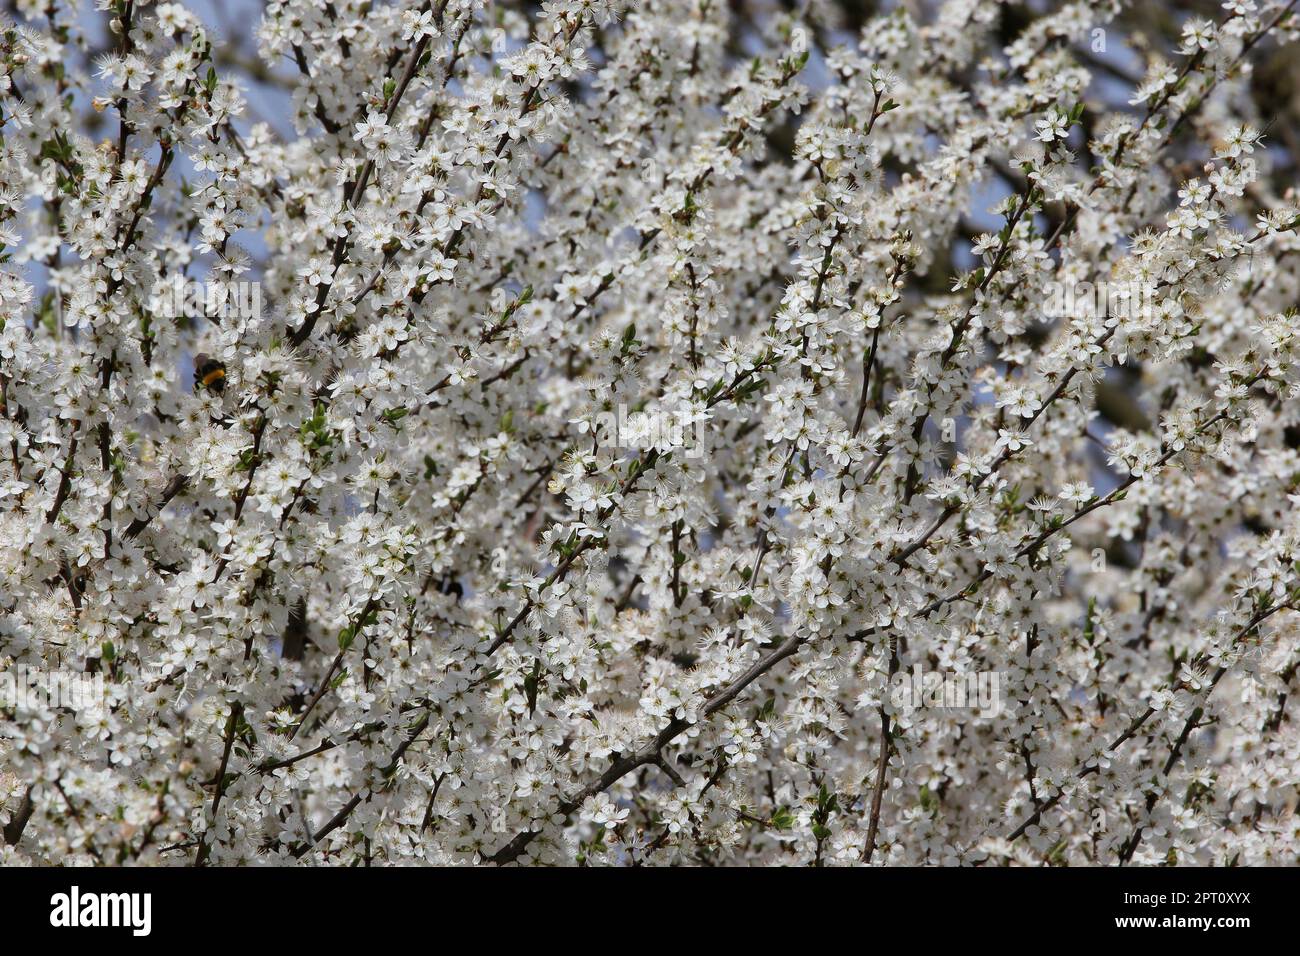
(367, 573)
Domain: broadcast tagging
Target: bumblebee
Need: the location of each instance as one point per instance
(209, 373)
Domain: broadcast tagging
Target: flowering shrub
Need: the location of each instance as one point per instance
(365, 577)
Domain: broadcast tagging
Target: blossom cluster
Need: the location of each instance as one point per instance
(365, 582)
